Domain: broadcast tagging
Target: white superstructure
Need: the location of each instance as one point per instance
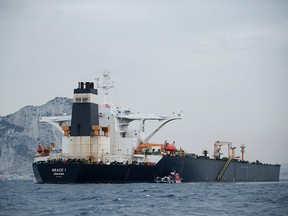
(113, 139)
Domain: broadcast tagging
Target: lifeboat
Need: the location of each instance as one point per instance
(170, 147)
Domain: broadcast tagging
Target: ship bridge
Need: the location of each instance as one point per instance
(122, 117)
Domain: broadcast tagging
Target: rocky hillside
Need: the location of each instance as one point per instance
(21, 132)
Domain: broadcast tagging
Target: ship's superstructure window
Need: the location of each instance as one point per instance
(82, 100)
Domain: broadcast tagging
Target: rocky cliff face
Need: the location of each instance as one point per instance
(21, 132)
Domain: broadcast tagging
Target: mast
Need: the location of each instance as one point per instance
(242, 151)
(105, 86)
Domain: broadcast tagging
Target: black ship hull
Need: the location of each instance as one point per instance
(190, 169)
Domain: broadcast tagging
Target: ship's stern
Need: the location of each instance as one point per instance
(56, 172)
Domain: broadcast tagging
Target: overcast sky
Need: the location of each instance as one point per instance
(223, 63)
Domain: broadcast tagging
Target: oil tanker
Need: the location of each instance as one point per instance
(99, 145)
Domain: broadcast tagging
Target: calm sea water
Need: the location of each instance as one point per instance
(25, 197)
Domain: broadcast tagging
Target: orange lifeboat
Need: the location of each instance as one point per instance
(170, 147)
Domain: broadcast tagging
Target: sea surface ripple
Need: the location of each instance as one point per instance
(25, 197)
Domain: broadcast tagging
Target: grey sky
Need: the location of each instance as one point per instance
(223, 63)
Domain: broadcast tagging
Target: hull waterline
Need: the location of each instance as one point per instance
(190, 170)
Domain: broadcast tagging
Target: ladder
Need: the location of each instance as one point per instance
(223, 170)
